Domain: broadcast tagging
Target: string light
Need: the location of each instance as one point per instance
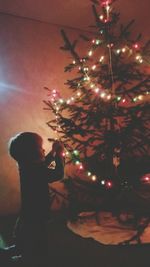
(101, 59)
(108, 184)
(94, 178)
(93, 67)
(123, 50)
(104, 95)
(136, 46)
(90, 53)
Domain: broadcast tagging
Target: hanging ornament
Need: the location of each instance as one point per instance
(116, 157)
(105, 3)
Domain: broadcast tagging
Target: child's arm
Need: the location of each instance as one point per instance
(56, 155)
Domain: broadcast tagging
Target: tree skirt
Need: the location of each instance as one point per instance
(107, 229)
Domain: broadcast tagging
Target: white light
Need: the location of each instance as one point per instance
(61, 100)
(92, 85)
(101, 58)
(109, 97)
(78, 93)
(118, 51)
(90, 53)
(140, 97)
(103, 94)
(101, 17)
(93, 67)
(96, 90)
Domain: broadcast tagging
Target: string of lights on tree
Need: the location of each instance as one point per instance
(102, 51)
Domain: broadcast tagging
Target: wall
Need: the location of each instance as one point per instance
(30, 59)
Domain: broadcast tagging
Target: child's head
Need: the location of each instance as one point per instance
(26, 147)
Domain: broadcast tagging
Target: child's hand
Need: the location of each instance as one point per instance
(58, 148)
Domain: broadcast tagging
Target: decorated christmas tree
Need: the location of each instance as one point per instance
(105, 122)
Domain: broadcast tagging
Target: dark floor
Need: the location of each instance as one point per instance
(69, 250)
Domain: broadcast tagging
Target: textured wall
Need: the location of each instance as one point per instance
(30, 59)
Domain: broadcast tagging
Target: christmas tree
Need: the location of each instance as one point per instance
(105, 122)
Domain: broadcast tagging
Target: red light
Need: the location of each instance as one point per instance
(146, 178)
(109, 184)
(136, 46)
(81, 167)
(105, 2)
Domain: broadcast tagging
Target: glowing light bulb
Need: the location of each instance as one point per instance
(103, 94)
(78, 93)
(93, 67)
(101, 17)
(140, 97)
(92, 85)
(93, 177)
(108, 184)
(137, 57)
(103, 182)
(107, 8)
(97, 90)
(86, 69)
(106, 20)
(97, 42)
(134, 99)
(118, 98)
(89, 174)
(110, 45)
(90, 53)
(61, 100)
(101, 59)
(81, 167)
(118, 51)
(76, 152)
(136, 46)
(109, 96)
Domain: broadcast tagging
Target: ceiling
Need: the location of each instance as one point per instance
(75, 13)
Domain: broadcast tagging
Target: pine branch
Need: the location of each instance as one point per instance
(69, 46)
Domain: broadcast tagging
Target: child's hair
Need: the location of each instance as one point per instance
(23, 146)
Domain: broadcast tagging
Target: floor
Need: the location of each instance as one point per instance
(66, 249)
